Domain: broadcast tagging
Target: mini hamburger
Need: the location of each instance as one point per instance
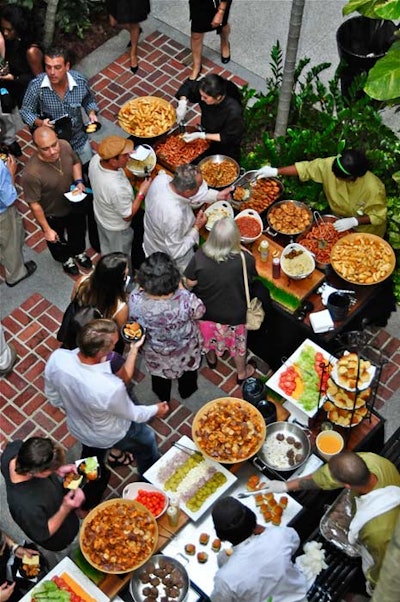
(204, 539)
(202, 557)
(190, 549)
(216, 545)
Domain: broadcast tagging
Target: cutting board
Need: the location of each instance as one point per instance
(294, 291)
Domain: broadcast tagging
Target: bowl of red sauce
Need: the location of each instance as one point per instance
(250, 225)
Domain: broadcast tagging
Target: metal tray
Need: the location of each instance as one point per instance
(334, 525)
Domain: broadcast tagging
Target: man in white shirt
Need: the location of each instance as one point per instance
(261, 566)
(100, 413)
(170, 225)
(114, 201)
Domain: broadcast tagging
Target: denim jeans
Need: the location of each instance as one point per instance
(140, 440)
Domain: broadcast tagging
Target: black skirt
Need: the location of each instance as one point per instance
(128, 11)
(202, 12)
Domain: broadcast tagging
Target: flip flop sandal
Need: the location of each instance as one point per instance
(122, 459)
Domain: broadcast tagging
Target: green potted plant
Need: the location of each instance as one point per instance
(371, 43)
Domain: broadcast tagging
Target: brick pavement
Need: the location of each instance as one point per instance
(32, 326)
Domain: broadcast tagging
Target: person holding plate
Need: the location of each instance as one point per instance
(50, 172)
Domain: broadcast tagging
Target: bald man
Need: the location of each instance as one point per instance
(375, 484)
(50, 172)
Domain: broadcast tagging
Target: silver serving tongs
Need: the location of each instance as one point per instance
(186, 449)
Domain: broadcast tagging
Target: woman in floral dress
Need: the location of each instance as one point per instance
(169, 313)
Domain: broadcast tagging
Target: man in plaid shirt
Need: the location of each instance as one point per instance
(59, 92)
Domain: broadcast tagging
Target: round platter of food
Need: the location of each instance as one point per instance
(289, 217)
(219, 171)
(146, 116)
(228, 430)
(258, 194)
(118, 536)
(363, 258)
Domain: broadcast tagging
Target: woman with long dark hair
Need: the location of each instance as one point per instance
(169, 312)
(104, 289)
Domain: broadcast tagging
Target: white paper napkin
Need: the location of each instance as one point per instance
(321, 321)
(140, 153)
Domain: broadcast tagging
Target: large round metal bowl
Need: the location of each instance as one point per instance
(251, 213)
(146, 116)
(362, 258)
(302, 446)
(228, 430)
(290, 218)
(303, 255)
(159, 562)
(319, 240)
(219, 171)
(118, 536)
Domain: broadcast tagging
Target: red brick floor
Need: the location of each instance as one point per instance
(32, 326)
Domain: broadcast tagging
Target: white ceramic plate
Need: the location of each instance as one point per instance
(131, 492)
(170, 458)
(67, 566)
(273, 382)
(75, 198)
(203, 574)
(217, 211)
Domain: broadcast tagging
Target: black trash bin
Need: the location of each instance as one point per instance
(361, 42)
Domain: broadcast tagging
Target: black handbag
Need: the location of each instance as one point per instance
(65, 334)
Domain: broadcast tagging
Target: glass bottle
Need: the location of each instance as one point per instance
(276, 268)
(173, 511)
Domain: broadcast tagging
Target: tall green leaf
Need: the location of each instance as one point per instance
(383, 82)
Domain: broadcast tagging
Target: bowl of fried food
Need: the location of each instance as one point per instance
(219, 171)
(297, 262)
(259, 194)
(363, 258)
(289, 217)
(319, 239)
(132, 332)
(32, 567)
(228, 430)
(118, 536)
(147, 116)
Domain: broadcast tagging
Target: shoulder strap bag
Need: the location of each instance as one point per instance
(255, 313)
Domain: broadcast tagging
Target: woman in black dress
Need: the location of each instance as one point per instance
(208, 15)
(129, 14)
(221, 113)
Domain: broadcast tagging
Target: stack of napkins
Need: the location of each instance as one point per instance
(321, 321)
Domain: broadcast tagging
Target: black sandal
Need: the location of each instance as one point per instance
(122, 459)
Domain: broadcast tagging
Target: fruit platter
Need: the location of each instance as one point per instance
(185, 472)
(303, 377)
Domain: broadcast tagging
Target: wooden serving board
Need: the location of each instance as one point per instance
(284, 290)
